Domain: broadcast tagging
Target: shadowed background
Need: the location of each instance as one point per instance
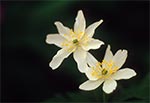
(26, 75)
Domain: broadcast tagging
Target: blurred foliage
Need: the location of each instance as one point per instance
(26, 76)
(134, 93)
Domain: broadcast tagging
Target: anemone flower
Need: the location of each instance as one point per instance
(78, 41)
(107, 71)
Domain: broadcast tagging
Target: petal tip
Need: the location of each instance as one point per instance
(56, 22)
(134, 73)
(46, 41)
(51, 66)
(109, 86)
(80, 11)
(102, 43)
(47, 36)
(81, 87)
(101, 21)
(124, 50)
(108, 48)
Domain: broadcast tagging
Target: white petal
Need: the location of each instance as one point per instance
(93, 44)
(63, 31)
(79, 25)
(55, 39)
(58, 58)
(109, 85)
(125, 73)
(91, 29)
(120, 58)
(90, 85)
(80, 58)
(91, 60)
(108, 56)
(89, 74)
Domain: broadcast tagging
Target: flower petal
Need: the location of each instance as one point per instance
(89, 75)
(109, 85)
(91, 29)
(63, 31)
(80, 24)
(125, 73)
(108, 56)
(91, 60)
(93, 44)
(120, 58)
(58, 58)
(91, 85)
(80, 58)
(55, 39)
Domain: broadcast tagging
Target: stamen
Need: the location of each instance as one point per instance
(80, 35)
(71, 32)
(106, 71)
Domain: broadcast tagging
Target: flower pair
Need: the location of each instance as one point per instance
(79, 41)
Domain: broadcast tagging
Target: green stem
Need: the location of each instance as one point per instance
(104, 98)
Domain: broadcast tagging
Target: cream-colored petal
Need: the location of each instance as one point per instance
(108, 56)
(63, 31)
(91, 29)
(80, 58)
(80, 23)
(89, 75)
(55, 39)
(91, 85)
(91, 60)
(58, 58)
(92, 44)
(119, 58)
(109, 86)
(125, 73)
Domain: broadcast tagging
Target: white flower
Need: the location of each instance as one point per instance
(77, 41)
(106, 72)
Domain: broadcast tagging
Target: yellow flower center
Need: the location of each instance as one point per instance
(104, 69)
(76, 40)
(75, 35)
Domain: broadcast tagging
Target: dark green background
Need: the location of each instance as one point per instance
(26, 76)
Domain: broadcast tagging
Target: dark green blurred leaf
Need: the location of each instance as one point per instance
(137, 92)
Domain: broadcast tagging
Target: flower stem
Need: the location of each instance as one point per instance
(104, 98)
